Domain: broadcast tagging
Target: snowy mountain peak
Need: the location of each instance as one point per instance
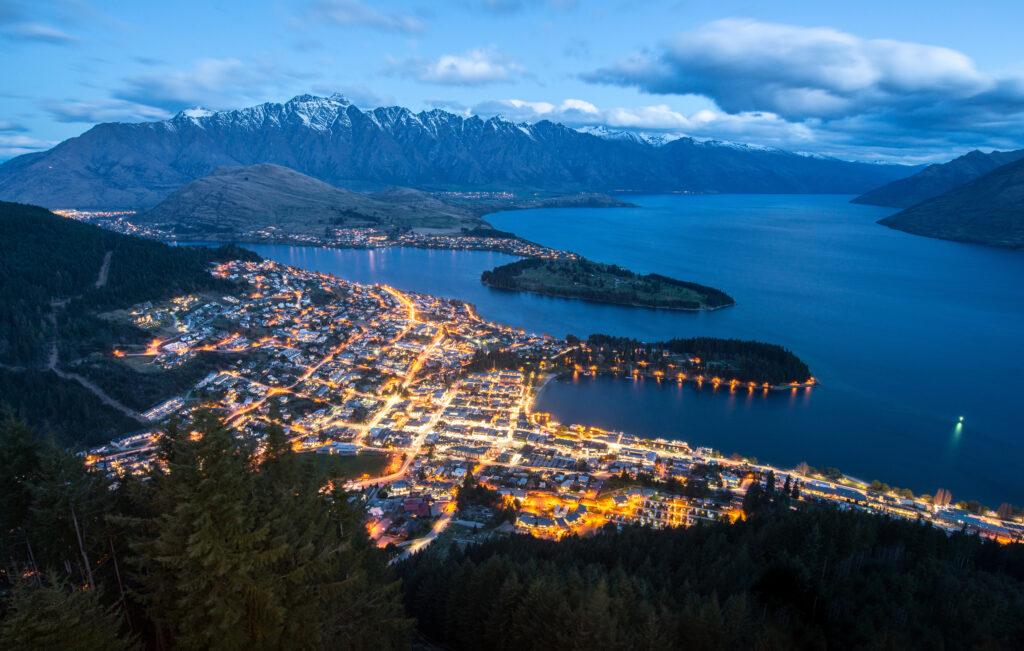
(197, 112)
(329, 139)
(337, 99)
(655, 139)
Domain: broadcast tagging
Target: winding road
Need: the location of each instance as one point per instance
(54, 356)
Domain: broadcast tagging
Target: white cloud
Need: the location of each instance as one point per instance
(765, 128)
(103, 110)
(353, 12)
(11, 146)
(37, 32)
(209, 79)
(217, 84)
(864, 97)
(798, 73)
(473, 68)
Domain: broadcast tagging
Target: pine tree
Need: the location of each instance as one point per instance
(201, 559)
(328, 577)
(52, 615)
(232, 551)
(499, 629)
(20, 458)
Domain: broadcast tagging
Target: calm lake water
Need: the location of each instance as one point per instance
(905, 333)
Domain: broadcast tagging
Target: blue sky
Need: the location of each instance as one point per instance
(903, 80)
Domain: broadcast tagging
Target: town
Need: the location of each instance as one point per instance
(423, 411)
(341, 238)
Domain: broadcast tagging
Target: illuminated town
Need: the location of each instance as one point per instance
(340, 238)
(402, 381)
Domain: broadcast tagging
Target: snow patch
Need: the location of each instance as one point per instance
(197, 112)
(653, 138)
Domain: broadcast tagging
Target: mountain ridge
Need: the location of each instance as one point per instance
(137, 165)
(988, 210)
(938, 179)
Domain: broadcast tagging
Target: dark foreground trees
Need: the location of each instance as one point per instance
(226, 548)
(822, 579)
(219, 549)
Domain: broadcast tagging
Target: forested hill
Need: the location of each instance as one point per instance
(49, 258)
(822, 579)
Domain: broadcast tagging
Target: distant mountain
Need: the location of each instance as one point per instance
(138, 165)
(988, 210)
(937, 179)
(233, 200)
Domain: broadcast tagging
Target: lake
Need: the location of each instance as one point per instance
(906, 334)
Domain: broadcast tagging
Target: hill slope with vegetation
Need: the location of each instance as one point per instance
(231, 201)
(57, 275)
(818, 579)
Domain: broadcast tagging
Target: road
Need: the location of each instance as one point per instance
(413, 449)
(101, 277)
(418, 544)
(53, 358)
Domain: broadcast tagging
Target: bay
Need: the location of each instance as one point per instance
(905, 333)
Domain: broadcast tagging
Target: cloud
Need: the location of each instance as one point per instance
(11, 146)
(37, 32)
(763, 128)
(796, 72)
(353, 12)
(892, 95)
(35, 21)
(215, 84)
(11, 127)
(474, 68)
(209, 79)
(103, 110)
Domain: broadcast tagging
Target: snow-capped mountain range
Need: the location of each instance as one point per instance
(116, 165)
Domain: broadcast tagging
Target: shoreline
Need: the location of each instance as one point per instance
(406, 245)
(732, 385)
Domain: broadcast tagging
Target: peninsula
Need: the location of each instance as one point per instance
(604, 283)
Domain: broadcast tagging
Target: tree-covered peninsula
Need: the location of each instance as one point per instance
(604, 283)
(694, 359)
